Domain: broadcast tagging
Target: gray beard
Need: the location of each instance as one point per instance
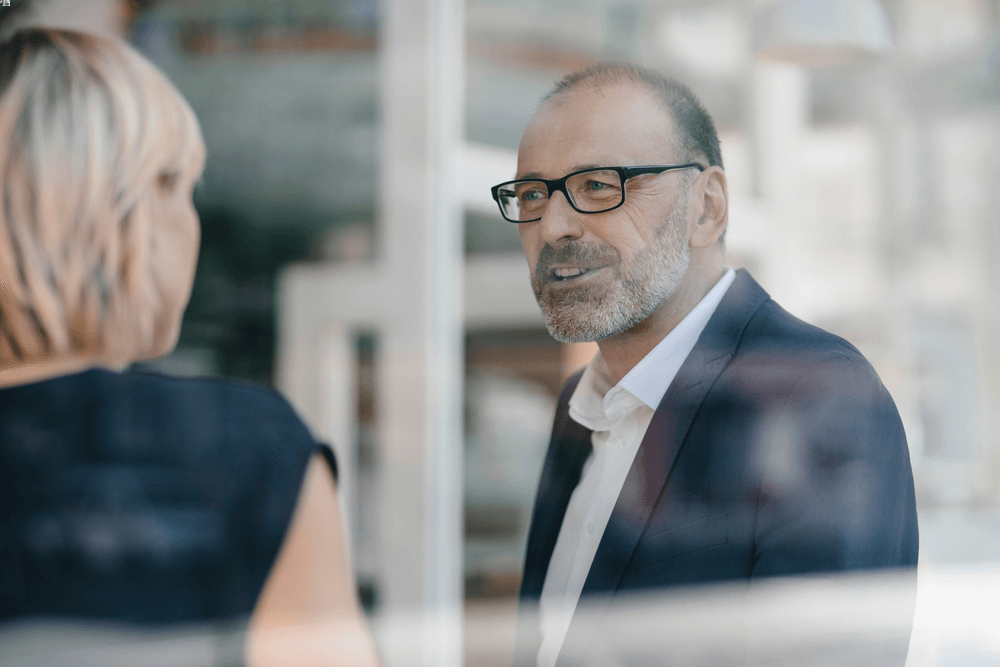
(587, 314)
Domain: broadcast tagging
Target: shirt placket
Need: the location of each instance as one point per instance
(607, 461)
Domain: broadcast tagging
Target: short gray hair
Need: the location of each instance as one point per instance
(697, 137)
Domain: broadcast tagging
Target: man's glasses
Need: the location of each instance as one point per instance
(588, 191)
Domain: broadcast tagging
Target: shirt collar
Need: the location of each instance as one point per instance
(595, 403)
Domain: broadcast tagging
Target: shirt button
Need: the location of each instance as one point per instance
(591, 527)
(618, 444)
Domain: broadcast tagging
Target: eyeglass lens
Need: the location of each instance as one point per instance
(590, 191)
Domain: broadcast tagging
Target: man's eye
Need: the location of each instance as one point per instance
(532, 195)
(596, 185)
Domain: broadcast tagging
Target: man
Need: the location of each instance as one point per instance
(714, 437)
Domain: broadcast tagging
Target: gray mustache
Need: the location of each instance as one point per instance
(573, 252)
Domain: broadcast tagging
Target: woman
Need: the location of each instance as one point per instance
(129, 496)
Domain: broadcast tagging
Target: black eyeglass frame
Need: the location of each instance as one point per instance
(559, 184)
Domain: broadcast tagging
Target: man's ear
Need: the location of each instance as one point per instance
(713, 190)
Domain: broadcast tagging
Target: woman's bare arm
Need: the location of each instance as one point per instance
(308, 612)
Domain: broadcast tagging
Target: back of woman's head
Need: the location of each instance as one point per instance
(99, 153)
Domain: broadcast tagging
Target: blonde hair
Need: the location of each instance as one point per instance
(87, 129)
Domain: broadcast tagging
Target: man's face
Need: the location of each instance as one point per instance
(598, 275)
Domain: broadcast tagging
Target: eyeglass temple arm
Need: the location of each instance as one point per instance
(629, 172)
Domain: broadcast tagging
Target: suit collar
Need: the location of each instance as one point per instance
(723, 332)
(651, 377)
(656, 455)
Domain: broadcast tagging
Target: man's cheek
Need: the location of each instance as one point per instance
(529, 245)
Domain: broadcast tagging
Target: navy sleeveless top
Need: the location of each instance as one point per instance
(144, 498)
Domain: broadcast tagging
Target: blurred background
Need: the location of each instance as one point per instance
(352, 256)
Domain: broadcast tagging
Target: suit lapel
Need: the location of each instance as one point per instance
(560, 476)
(655, 458)
(568, 451)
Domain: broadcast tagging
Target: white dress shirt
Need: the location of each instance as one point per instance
(618, 417)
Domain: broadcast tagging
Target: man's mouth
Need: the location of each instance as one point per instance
(567, 273)
(572, 264)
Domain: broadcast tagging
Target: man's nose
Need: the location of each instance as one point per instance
(559, 220)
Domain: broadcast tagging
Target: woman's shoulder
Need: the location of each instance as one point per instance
(224, 397)
(241, 414)
(139, 417)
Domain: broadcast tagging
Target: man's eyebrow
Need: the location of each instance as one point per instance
(579, 167)
(582, 167)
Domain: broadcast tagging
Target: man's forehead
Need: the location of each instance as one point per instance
(619, 124)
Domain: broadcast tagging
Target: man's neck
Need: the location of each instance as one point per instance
(622, 352)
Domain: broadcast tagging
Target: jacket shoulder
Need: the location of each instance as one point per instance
(773, 331)
(779, 354)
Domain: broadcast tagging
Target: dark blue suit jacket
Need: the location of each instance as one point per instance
(775, 451)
